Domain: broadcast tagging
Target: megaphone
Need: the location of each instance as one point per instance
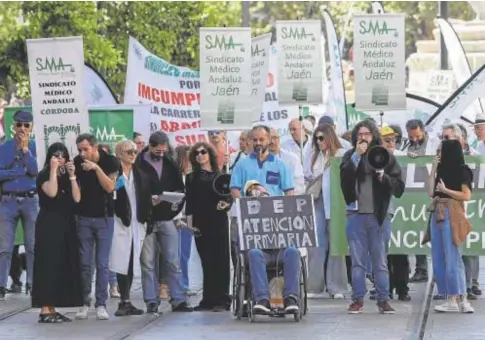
(378, 157)
(222, 185)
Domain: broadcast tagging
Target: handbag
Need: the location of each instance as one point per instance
(315, 187)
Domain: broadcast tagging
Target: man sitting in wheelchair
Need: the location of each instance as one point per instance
(258, 260)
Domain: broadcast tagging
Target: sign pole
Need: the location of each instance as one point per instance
(300, 114)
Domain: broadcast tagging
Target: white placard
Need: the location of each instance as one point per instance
(300, 62)
(260, 51)
(379, 62)
(225, 76)
(439, 84)
(56, 69)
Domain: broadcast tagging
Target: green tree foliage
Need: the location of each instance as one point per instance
(169, 29)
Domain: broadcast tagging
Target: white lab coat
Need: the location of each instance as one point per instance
(291, 146)
(293, 162)
(123, 237)
(311, 172)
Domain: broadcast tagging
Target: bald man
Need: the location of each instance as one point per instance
(291, 160)
(297, 134)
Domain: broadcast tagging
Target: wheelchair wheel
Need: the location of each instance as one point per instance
(241, 294)
(235, 291)
(303, 289)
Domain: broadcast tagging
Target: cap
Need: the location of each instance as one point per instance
(158, 137)
(249, 184)
(326, 120)
(387, 131)
(22, 116)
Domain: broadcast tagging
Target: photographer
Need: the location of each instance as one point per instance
(367, 193)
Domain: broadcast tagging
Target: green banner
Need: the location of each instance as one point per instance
(411, 216)
(109, 126)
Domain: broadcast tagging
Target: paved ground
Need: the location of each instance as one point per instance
(327, 319)
(459, 326)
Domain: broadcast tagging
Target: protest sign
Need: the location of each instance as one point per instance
(300, 64)
(411, 217)
(56, 70)
(225, 77)
(108, 125)
(379, 62)
(146, 69)
(276, 222)
(260, 51)
(98, 91)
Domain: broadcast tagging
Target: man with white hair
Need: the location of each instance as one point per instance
(299, 138)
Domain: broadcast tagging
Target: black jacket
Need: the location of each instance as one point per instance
(147, 183)
(391, 184)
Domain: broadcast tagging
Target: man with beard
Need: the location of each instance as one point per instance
(263, 169)
(96, 172)
(158, 173)
(367, 193)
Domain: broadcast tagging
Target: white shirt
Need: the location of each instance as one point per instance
(480, 148)
(291, 146)
(317, 169)
(294, 163)
(307, 149)
(431, 147)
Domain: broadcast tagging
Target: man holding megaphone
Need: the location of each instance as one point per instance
(369, 176)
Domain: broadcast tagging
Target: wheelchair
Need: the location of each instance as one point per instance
(243, 301)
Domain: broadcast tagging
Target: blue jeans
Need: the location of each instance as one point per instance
(95, 233)
(165, 236)
(365, 236)
(258, 259)
(185, 247)
(448, 267)
(13, 209)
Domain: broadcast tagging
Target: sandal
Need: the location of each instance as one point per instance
(49, 318)
(63, 318)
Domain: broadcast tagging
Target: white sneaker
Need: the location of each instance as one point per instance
(82, 314)
(448, 306)
(316, 295)
(466, 307)
(101, 313)
(338, 296)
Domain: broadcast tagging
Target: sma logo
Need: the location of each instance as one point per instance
(298, 33)
(255, 51)
(376, 28)
(222, 43)
(53, 65)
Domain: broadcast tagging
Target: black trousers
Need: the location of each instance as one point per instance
(398, 266)
(16, 266)
(213, 248)
(125, 281)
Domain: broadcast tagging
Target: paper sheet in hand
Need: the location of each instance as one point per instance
(172, 197)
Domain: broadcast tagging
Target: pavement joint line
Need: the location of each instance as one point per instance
(129, 333)
(14, 312)
(422, 320)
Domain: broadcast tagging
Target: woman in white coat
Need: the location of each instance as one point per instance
(316, 168)
(128, 232)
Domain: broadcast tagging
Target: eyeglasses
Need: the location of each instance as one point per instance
(390, 140)
(200, 152)
(25, 125)
(131, 152)
(319, 138)
(364, 134)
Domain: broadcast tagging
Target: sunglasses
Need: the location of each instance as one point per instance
(200, 152)
(390, 140)
(25, 125)
(319, 138)
(131, 152)
(58, 154)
